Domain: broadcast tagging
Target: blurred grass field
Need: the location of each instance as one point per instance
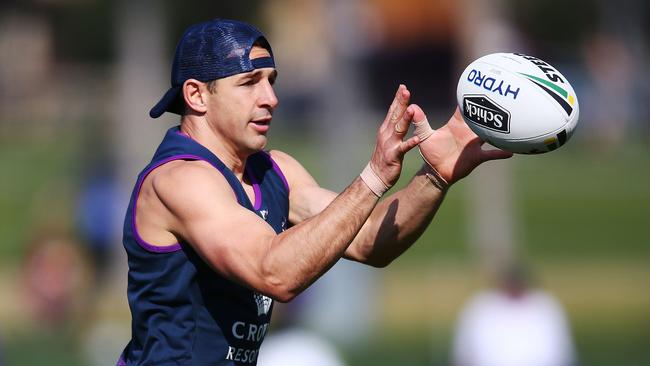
(583, 219)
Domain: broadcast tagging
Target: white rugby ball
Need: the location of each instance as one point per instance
(518, 103)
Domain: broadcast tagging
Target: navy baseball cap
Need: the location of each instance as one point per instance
(208, 51)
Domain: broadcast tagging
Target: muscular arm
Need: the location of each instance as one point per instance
(392, 227)
(397, 222)
(241, 246)
(451, 152)
(401, 218)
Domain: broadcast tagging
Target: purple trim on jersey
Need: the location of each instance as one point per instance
(277, 169)
(144, 244)
(256, 188)
(121, 361)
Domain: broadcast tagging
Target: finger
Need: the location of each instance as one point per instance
(398, 106)
(418, 113)
(393, 104)
(402, 124)
(407, 145)
(422, 129)
(495, 154)
(403, 96)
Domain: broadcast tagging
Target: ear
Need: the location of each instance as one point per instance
(194, 93)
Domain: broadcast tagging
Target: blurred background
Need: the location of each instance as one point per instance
(77, 79)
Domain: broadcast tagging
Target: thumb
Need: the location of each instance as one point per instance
(409, 144)
(418, 113)
(422, 128)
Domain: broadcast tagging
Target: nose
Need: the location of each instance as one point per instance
(267, 98)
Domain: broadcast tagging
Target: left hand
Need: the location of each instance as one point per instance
(390, 146)
(454, 150)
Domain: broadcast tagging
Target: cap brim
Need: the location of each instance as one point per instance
(168, 103)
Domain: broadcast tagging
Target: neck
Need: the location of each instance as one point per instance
(220, 147)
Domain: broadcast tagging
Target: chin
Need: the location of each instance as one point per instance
(258, 145)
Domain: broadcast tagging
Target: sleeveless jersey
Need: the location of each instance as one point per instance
(183, 312)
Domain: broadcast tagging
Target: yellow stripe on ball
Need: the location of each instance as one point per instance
(571, 99)
(550, 141)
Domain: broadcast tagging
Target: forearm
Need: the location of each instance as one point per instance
(300, 255)
(398, 221)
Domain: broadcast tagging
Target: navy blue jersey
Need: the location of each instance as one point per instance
(183, 312)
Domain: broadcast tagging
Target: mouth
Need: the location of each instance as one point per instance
(261, 125)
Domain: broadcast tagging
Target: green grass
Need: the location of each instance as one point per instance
(577, 202)
(42, 348)
(570, 203)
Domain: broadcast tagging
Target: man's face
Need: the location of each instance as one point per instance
(241, 106)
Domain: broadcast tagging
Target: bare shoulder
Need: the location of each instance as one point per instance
(295, 173)
(183, 173)
(184, 183)
(283, 159)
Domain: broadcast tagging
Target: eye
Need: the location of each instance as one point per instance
(251, 80)
(273, 77)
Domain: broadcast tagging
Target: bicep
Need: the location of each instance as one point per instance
(308, 202)
(206, 215)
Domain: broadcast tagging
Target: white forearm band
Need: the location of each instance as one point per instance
(422, 129)
(372, 180)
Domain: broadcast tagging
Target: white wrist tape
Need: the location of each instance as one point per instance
(372, 180)
(422, 129)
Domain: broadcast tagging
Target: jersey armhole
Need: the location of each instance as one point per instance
(278, 171)
(136, 235)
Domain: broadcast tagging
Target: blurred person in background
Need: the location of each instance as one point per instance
(298, 347)
(55, 281)
(513, 325)
(98, 205)
(289, 343)
(224, 228)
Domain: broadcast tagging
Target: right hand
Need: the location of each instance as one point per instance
(390, 148)
(454, 150)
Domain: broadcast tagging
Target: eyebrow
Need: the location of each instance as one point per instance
(257, 73)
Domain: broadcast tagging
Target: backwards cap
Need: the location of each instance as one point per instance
(208, 51)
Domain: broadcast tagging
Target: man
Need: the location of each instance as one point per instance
(513, 324)
(217, 228)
